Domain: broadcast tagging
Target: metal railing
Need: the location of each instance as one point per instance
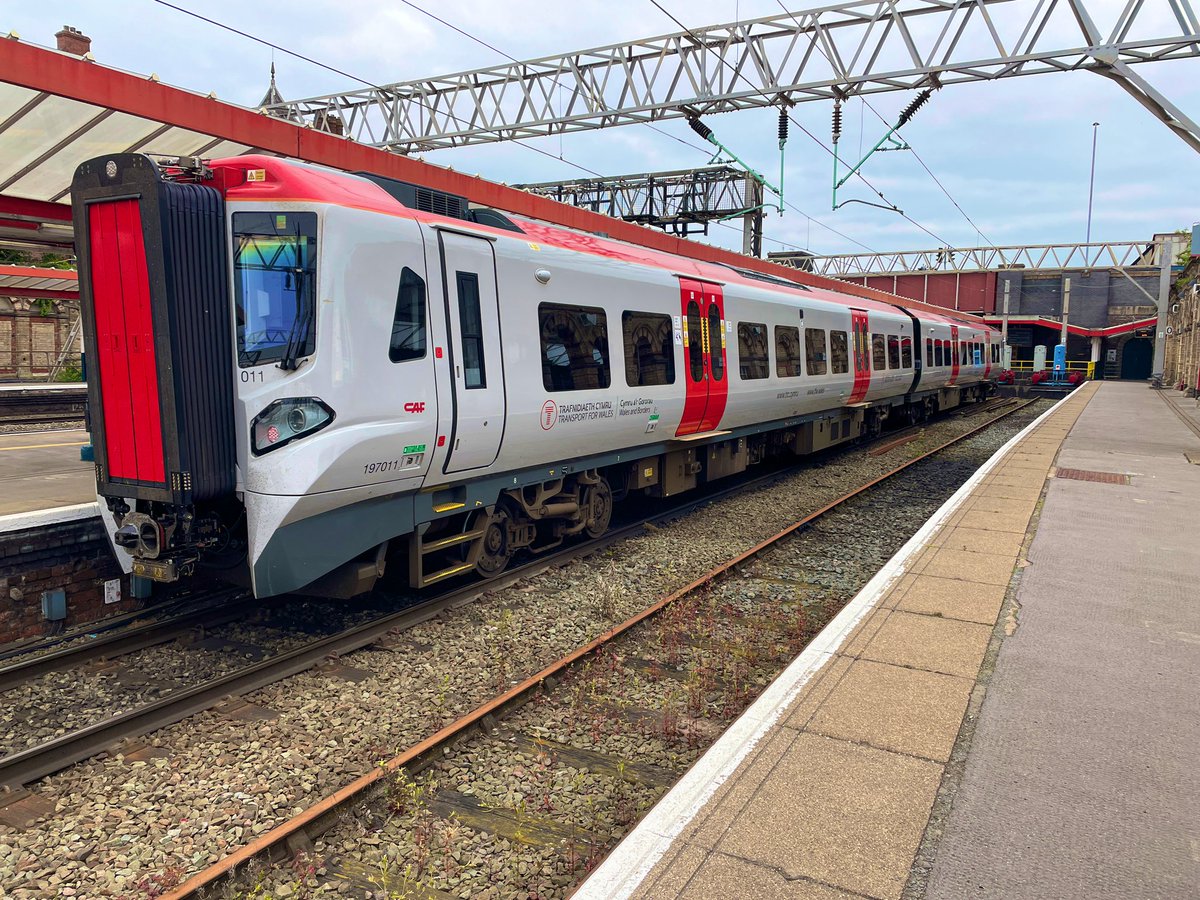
(36, 365)
(1025, 366)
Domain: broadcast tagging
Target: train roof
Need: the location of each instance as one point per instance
(285, 180)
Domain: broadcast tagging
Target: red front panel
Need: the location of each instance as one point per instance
(714, 357)
(862, 361)
(955, 354)
(125, 338)
(695, 369)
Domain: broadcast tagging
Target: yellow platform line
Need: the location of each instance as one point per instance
(41, 446)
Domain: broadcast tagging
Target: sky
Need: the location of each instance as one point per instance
(1014, 154)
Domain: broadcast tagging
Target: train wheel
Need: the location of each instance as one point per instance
(495, 553)
(598, 507)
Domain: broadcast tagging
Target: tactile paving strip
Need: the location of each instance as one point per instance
(1090, 475)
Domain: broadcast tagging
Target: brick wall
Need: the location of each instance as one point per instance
(75, 556)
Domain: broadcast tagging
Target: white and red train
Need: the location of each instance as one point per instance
(292, 367)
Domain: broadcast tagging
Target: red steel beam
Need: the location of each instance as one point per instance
(39, 294)
(73, 77)
(37, 210)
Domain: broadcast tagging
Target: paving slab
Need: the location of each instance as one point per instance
(864, 811)
(894, 708)
(721, 875)
(931, 643)
(952, 598)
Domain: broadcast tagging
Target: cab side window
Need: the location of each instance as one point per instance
(408, 322)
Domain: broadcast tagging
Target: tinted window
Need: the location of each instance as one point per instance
(649, 356)
(716, 350)
(787, 351)
(906, 360)
(814, 350)
(839, 352)
(471, 325)
(753, 359)
(878, 352)
(695, 341)
(893, 352)
(274, 282)
(408, 324)
(929, 351)
(939, 354)
(574, 347)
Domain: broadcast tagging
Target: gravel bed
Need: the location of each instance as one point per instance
(57, 425)
(125, 829)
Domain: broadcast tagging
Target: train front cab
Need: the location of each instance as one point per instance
(154, 294)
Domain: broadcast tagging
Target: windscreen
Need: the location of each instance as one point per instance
(274, 263)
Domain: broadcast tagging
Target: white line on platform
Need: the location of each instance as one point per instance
(631, 860)
(40, 518)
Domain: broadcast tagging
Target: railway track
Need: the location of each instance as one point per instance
(660, 679)
(32, 406)
(227, 607)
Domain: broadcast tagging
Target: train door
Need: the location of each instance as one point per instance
(714, 357)
(705, 380)
(862, 359)
(955, 354)
(476, 361)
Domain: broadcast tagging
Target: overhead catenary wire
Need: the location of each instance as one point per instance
(691, 122)
(310, 60)
(816, 140)
(905, 116)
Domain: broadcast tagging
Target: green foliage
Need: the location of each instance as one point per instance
(69, 372)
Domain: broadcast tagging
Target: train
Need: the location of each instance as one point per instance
(300, 373)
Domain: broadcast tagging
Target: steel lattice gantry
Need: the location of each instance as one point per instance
(857, 47)
(952, 260)
(682, 202)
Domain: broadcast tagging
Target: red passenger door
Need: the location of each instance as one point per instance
(955, 354)
(705, 379)
(862, 360)
(714, 357)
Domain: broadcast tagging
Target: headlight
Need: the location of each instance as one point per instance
(285, 420)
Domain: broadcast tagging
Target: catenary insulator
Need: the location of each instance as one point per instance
(700, 128)
(837, 120)
(911, 109)
(783, 124)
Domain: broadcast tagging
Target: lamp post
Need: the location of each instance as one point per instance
(1092, 182)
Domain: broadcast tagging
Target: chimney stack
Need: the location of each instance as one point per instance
(72, 40)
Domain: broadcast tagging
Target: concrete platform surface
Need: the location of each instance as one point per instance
(42, 470)
(990, 717)
(1083, 778)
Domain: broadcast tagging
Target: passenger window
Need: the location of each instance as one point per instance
(814, 347)
(753, 359)
(649, 356)
(408, 323)
(695, 338)
(929, 351)
(716, 358)
(893, 352)
(839, 352)
(906, 360)
(471, 326)
(574, 347)
(939, 354)
(878, 352)
(787, 351)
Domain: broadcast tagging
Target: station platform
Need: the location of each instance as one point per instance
(1007, 710)
(42, 470)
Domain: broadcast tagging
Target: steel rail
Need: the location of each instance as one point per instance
(123, 642)
(322, 815)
